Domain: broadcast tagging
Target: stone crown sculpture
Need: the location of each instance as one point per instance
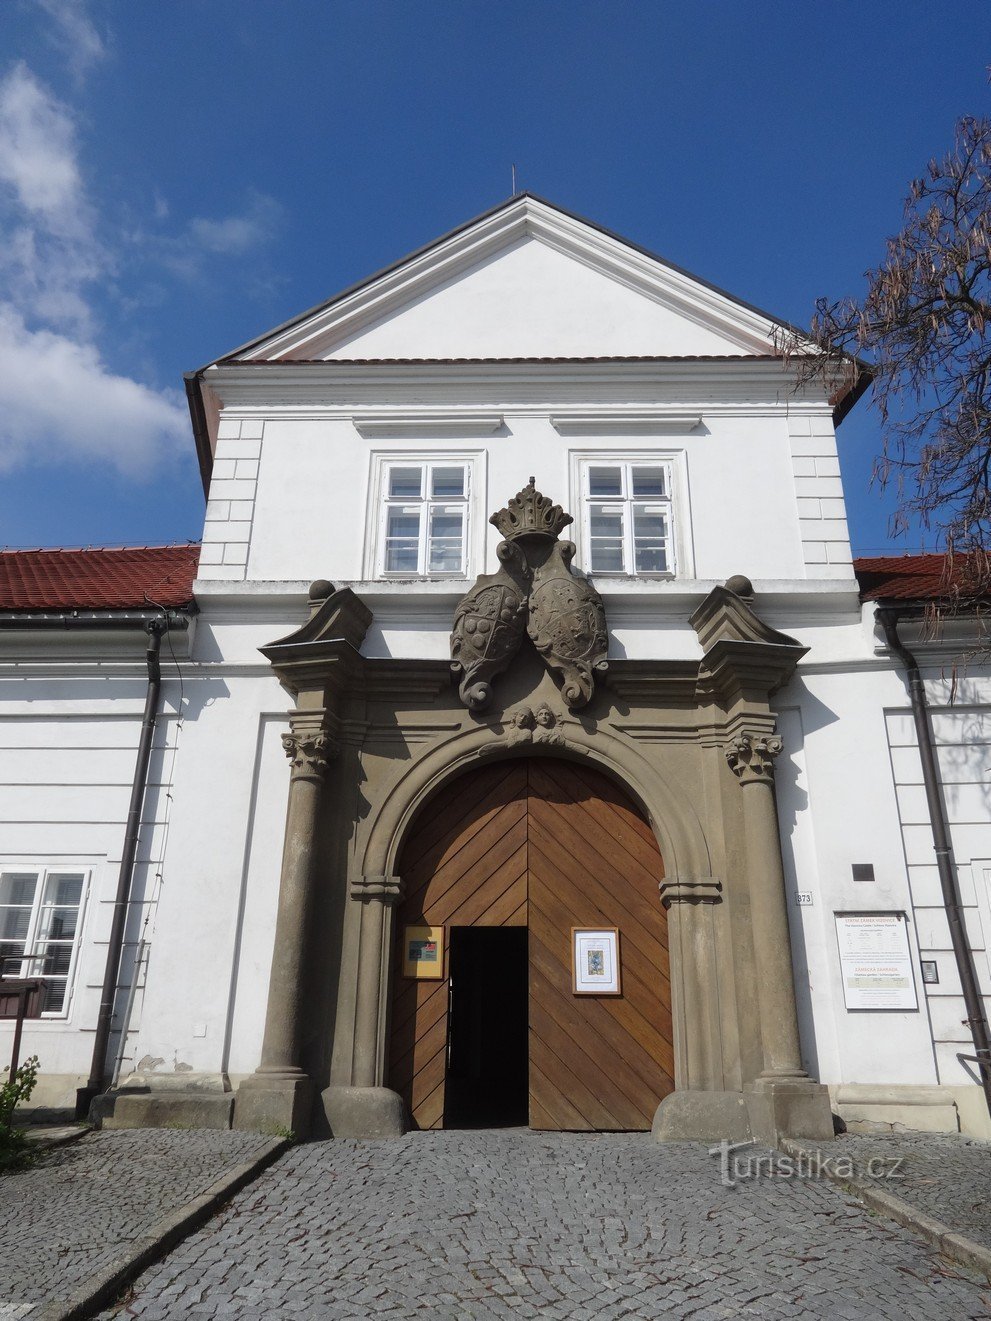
(530, 514)
(533, 592)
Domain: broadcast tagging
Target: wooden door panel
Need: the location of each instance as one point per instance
(568, 1029)
(550, 845)
(594, 862)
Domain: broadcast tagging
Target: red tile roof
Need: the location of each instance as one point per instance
(121, 578)
(132, 577)
(914, 578)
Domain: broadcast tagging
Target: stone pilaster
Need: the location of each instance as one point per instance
(378, 896)
(751, 758)
(280, 1092)
(367, 1109)
(691, 903)
(745, 661)
(784, 1099)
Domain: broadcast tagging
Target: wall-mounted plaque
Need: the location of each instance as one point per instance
(875, 961)
(595, 961)
(423, 953)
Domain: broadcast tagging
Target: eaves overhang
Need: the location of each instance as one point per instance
(338, 383)
(97, 620)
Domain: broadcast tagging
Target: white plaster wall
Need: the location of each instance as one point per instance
(849, 790)
(67, 755)
(208, 981)
(531, 300)
(963, 738)
(207, 871)
(313, 507)
(842, 811)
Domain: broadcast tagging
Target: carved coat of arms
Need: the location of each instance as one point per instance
(489, 625)
(533, 592)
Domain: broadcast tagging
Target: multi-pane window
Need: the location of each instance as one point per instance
(628, 517)
(39, 924)
(425, 519)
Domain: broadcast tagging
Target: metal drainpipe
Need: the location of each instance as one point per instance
(976, 1019)
(156, 628)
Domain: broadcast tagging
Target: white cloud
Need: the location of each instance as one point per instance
(237, 234)
(75, 35)
(56, 396)
(38, 155)
(59, 263)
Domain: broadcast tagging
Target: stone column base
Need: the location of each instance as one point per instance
(790, 1110)
(764, 1114)
(364, 1112)
(278, 1106)
(695, 1116)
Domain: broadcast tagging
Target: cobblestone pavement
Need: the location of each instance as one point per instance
(524, 1225)
(73, 1211)
(946, 1175)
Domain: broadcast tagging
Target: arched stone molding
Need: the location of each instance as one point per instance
(669, 811)
(681, 840)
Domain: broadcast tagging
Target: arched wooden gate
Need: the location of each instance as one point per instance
(548, 845)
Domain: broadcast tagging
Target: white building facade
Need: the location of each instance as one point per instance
(362, 448)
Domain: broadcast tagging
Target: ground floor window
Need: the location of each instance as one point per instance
(40, 909)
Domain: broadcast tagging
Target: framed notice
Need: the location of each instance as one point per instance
(875, 961)
(423, 953)
(595, 961)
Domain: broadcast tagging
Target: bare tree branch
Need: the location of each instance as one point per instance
(924, 330)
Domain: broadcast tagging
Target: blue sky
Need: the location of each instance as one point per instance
(177, 178)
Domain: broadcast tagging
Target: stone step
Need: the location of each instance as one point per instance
(172, 1110)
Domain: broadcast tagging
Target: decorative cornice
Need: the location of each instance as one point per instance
(617, 421)
(728, 616)
(415, 424)
(735, 386)
(383, 889)
(751, 757)
(310, 752)
(690, 890)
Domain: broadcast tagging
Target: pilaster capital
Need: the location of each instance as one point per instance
(751, 757)
(383, 889)
(690, 890)
(309, 752)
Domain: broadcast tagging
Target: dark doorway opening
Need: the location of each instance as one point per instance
(487, 1045)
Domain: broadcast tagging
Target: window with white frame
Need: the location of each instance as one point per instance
(424, 525)
(40, 911)
(628, 519)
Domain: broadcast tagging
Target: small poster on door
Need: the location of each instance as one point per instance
(595, 961)
(423, 953)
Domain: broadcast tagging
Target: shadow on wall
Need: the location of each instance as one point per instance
(794, 724)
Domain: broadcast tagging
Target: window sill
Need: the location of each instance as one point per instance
(392, 579)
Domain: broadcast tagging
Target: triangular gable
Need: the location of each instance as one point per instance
(524, 280)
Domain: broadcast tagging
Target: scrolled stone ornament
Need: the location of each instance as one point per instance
(568, 625)
(751, 757)
(489, 625)
(309, 753)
